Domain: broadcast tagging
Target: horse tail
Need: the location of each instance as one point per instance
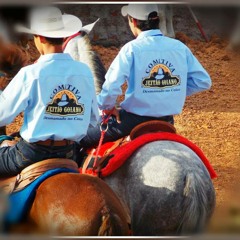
(196, 204)
(110, 224)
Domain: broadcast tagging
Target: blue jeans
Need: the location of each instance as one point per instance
(15, 158)
(118, 130)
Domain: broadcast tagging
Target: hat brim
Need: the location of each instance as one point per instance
(124, 11)
(71, 24)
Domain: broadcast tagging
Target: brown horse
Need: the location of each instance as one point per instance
(75, 205)
(12, 58)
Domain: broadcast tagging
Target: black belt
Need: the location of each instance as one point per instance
(53, 143)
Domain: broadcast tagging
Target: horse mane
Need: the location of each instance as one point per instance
(12, 59)
(87, 55)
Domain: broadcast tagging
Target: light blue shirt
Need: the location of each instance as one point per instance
(57, 96)
(160, 73)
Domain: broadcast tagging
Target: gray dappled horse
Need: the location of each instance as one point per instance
(164, 185)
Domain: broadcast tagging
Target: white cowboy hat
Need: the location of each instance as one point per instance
(139, 11)
(49, 22)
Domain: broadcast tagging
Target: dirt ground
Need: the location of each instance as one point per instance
(211, 120)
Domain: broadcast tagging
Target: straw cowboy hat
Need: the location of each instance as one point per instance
(49, 22)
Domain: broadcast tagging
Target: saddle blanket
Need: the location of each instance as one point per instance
(122, 153)
(20, 202)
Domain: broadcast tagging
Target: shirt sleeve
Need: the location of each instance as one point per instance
(14, 99)
(197, 78)
(118, 72)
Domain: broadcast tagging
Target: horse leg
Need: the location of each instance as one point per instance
(169, 21)
(162, 18)
(235, 38)
(73, 204)
(3, 208)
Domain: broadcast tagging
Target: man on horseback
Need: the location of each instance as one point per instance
(160, 73)
(56, 95)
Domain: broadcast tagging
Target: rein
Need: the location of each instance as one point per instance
(68, 39)
(103, 129)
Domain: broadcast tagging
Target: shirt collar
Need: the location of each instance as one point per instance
(149, 33)
(54, 56)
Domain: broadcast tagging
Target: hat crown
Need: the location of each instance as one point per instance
(139, 11)
(46, 19)
(49, 22)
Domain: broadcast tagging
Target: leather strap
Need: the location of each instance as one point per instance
(87, 161)
(100, 161)
(34, 171)
(116, 144)
(52, 143)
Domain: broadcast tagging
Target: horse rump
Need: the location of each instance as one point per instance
(77, 205)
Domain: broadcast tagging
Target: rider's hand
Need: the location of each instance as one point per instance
(114, 112)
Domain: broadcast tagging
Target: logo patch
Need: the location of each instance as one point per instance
(65, 103)
(160, 76)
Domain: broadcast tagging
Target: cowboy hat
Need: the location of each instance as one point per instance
(49, 22)
(139, 11)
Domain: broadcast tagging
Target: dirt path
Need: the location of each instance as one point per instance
(211, 120)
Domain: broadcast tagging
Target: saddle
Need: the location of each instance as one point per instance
(141, 129)
(32, 172)
(152, 127)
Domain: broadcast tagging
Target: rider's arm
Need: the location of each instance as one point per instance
(14, 99)
(118, 72)
(197, 78)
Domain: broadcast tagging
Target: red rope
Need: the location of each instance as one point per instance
(68, 39)
(103, 128)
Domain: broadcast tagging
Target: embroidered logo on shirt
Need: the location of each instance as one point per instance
(65, 103)
(160, 75)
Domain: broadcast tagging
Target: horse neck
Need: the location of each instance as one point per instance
(12, 59)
